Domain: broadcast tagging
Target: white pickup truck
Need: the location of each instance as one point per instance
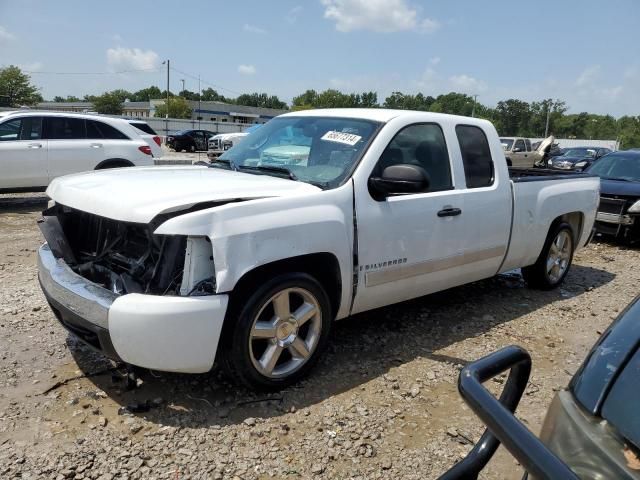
(220, 143)
(249, 261)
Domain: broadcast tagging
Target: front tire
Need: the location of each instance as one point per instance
(554, 261)
(279, 333)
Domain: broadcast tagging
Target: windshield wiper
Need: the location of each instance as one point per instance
(224, 161)
(269, 168)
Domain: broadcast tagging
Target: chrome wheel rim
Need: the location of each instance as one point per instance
(559, 256)
(285, 333)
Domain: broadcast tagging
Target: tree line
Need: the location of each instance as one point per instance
(512, 117)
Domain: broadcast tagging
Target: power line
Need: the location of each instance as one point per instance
(220, 87)
(140, 70)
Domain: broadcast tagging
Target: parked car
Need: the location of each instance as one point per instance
(225, 141)
(520, 153)
(189, 140)
(222, 142)
(251, 263)
(36, 147)
(592, 427)
(619, 210)
(149, 135)
(577, 158)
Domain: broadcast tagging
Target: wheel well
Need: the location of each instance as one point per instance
(324, 267)
(114, 163)
(575, 220)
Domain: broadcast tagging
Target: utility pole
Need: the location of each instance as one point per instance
(546, 127)
(473, 110)
(166, 115)
(182, 80)
(199, 102)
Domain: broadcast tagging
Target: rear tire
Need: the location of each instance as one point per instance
(554, 261)
(278, 333)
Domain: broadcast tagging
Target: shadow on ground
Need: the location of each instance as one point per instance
(23, 203)
(633, 245)
(362, 348)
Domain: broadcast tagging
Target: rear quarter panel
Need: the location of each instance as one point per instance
(537, 204)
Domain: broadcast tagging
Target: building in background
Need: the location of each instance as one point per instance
(220, 112)
(211, 112)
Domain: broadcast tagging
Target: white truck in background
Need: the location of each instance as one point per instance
(314, 217)
(220, 143)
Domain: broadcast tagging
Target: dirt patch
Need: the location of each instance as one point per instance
(381, 404)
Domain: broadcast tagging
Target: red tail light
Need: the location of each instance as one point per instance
(158, 140)
(146, 149)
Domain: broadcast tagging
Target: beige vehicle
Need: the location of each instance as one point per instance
(520, 154)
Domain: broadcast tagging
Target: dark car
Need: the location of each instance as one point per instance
(577, 158)
(619, 210)
(592, 428)
(189, 140)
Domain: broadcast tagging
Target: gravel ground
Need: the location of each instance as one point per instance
(381, 404)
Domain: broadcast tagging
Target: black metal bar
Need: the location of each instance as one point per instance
(502, 426)
(55, 237)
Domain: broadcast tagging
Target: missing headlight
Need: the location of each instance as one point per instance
(199, 270)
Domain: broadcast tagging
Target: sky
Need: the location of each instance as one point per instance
(586, 53)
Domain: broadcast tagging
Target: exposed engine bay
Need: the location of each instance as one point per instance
(125, 257)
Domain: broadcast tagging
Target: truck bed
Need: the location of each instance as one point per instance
(539, 197)
(519, 174)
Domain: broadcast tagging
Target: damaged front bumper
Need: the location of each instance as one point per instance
(166, 333)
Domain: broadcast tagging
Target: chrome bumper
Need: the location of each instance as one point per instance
(614, 218)
(63, 286)
(168, 333)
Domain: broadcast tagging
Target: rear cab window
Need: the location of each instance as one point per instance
(476, 156)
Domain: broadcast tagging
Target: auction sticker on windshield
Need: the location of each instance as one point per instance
(341, 137)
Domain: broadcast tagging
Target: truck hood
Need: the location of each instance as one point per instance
(226, 136)
(138, 194)
(545, 145)
(619, 187)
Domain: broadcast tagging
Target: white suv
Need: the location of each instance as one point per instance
(36, 147)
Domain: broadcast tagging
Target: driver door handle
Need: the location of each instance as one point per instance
(449, 212)
(96, 145)
(35, 145)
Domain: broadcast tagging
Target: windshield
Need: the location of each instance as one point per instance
(506, 143)
(622, 167)
(580, 152)
(317, 150)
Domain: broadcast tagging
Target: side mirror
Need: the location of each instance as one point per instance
(399, 179)
(517, 150)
